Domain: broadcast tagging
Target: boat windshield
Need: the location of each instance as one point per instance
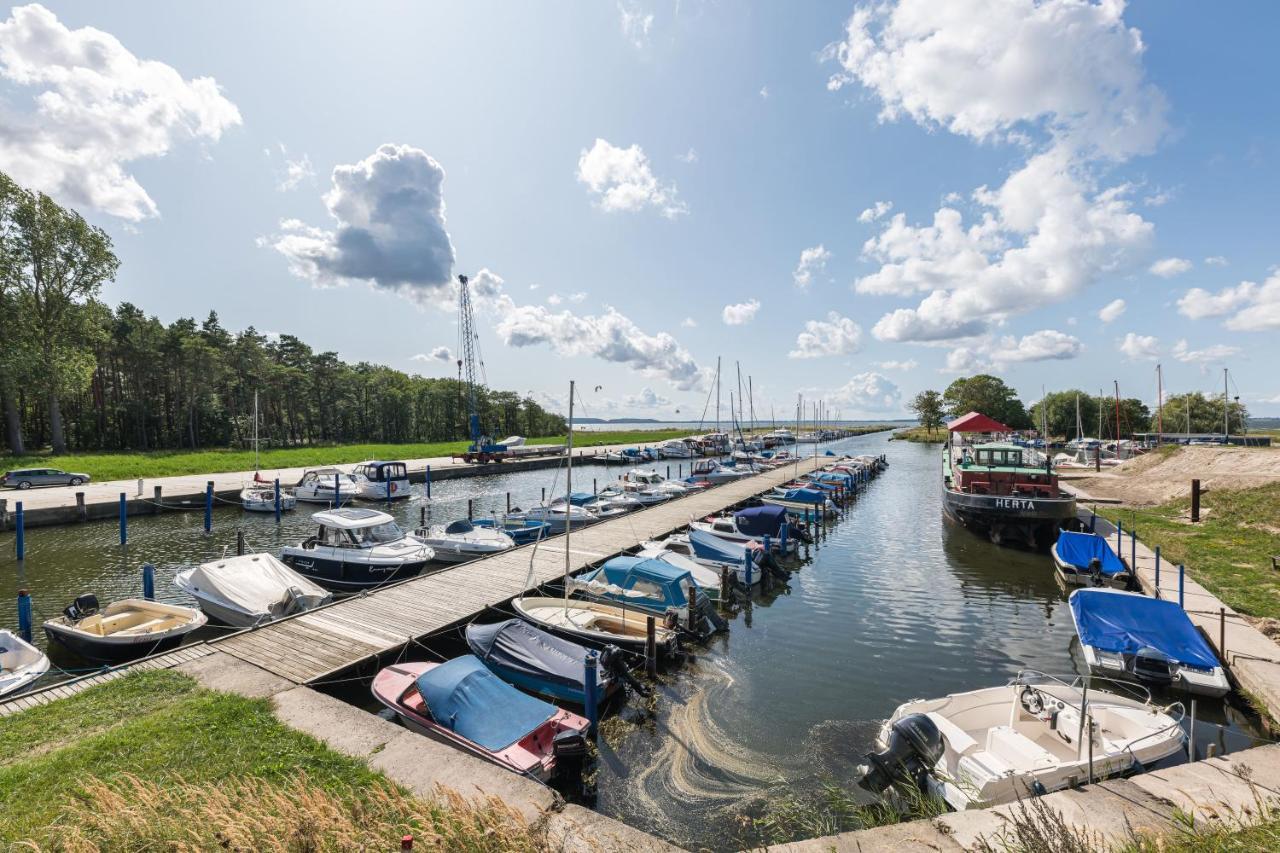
(379, 534)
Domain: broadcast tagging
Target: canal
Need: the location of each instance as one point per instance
(893, 604)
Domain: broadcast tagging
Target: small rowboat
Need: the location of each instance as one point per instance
(595, 623)
(20, 663)
(123, 630)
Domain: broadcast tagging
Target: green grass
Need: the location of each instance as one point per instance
(154, 744)
(1229, 551)
(921, 435)
(170, 463)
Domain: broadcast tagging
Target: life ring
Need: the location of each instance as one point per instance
(394, 488)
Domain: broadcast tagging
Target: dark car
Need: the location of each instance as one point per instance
(25, 478)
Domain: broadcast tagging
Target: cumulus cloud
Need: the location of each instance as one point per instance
(295, 171)
(908, 364)
(388, 210)
(1216, 261)
(1198, 303)
(97, 108)
(437, 354)
(689, 323)
(1060, 78)
(1139, 347)
(812, 261)
(1112, 311)
(1208, 355)
(740, 313)
(995, 354)
(636, 23)
(1253, 307)
(834, 336)
(690, 156)
(869, 392)
(877, 210)
(622, 180)
(577, 298)
(646, 399)
(1169, 267)
(554, 299)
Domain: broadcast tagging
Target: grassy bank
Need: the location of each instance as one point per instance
(170, 463)
(921, 435)
(1229, 551)
(152, 761)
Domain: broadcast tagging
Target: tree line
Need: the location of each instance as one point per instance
(76, 374)
(1098, 415)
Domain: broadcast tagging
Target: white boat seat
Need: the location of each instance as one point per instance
(1019, 750)
(957, 738)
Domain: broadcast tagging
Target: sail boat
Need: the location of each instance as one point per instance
(593, 623)
(260, 496)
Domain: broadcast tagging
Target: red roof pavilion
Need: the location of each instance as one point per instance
(976, 422)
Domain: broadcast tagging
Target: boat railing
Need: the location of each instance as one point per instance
(1135, 691)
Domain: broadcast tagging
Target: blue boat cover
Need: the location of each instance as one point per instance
(708, 546)
(1124, 622)
(520, 647)
(761, 520)
(1078, 549)
(468, 699)
(832, 477)
(661, 580)
(579, 498)
(806, 496)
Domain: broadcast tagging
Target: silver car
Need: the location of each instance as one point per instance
(25, 478)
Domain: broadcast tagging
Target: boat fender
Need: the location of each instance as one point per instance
(1038, 789)
(914, 747)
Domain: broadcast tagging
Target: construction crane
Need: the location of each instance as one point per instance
(482, 448)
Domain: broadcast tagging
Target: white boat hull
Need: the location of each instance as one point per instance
(21, 663)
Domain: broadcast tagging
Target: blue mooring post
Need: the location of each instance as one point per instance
(148, 582)
(767, 544)
(1133, 550)
(591, 702)
(20, 540)
(124, 519)
(428, 482)
(1182, 573)
(388, 490)
(208, 506)
(24, 615)
(1093, 521)
(746, 567)
(337, 490)
(1158, 571)
(782, 537)
(1119, 538)
(277, 496)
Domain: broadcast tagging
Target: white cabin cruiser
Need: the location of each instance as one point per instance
(556, 515)
(382, 481)
(325, 486)
(260, 498)
(711, 471)
(678, 449)
(357, 548)
(461, 540)
(1034, 735)
(20, 663)
(642, 495)
(651, 479)
(250, 590)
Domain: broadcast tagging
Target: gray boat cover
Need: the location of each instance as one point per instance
(516, 645)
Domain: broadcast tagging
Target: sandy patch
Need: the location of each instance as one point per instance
(1155, 478)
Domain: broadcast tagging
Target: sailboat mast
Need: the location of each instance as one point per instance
(1159, 404)
(568, 503)
(1226, 409)
(1117, 381)
(738, 366)
(255, 431)
(717, 394)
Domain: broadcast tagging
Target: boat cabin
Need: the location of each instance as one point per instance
(323, 478)
(639, 582)
(355, 528)
(999, 468)
(382, 472)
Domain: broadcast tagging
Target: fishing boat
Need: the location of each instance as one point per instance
(123, 630)
(1086, 559)
(595, 623)
(20, 663)
(382, 481)
(1035, 735)
(356, 548)
(462, 540)
(539, 662)
(461, 703)
(989, 488)
(325, 486)
(250, 590)
(259, 498)
(753, 524)
(1151, 640)
(521, 530)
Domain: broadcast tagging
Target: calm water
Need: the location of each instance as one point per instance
(895, 604)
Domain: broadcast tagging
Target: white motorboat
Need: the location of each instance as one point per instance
(123, 630)
(596, 623)
(606, 505)
(678, 449)
(250, 590)
(711, 471)
(259, 498)
(461, 540)
(642, 495)
(20, 663)
(357, 548)
(382, 481)
(325, 486)
(555, 515)
(1034, 735)
(651, 479)
(753, 524)
(711, 553)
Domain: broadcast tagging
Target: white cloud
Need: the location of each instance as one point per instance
(622, 179)
(295, 171)
(689, 323)
(1217, 352)
(389, 213)
(740, 313)
(1138, 347)
(1198, 303)
(1169, 267)
(1158, 198)
(690, 156)
(866, 393)
(437, 354)
(1112, 311)
(577, 298)
(812, 260)
(834, 336)
(877, 210)
(554, 299)
(764, 93)
(1216, 261)
(1263, 398)
(97, 108)
(646, 399)
(1263, 313)
(909, 364)
(995, 354)
(636, 23)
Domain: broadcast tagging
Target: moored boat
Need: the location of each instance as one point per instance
(250, 590)
(123, 630)
(1086, 559)
(20, 663)
(382, 481)
(540, 662)
(325, 486)
(754, 524)
(521, 530)
(357, 548)
(258, 498)
(595, 623)
(462, 540)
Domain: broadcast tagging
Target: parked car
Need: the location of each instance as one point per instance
(25, 478)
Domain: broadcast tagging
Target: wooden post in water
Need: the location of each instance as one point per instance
(651, 647)
(691, 618)
(470, 514)
(766, 578)
(725, 587)
(508, 502)
(24, 615)
(428, 482)
(239, 543)
(1195, 501)
(590, 683)
(124, 519)
(20, 528)
(81, 512)
(148, 582)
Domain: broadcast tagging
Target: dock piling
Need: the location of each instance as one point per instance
(766, 576)
(590, 683)
(1182, 574)
(428, 482)
(239, 543)
(544, 494)
(422, 516)
(651, 647)
(691, 618)
(1195, 501)
(388, 490)
(24, 615)
(1158, 571)
(337, 490)
(20, 540)
(148, 582)
(782, 537)
(81, 512)
(594, 490)
(155, 496)
(124, 519)
(470, 509)
(277, 499)
(508, 502)
(746, 568)
(208, 506)
(1093, 520)
(724, 587)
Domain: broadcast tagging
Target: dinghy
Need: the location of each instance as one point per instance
(461, 540)
(263, 499)
(1128, 635)
(250, 590)
(595, 623)
(1035, 735)
(20, 663)
(123, 630)
(539, 662)
(1086, 559)
(463, 704)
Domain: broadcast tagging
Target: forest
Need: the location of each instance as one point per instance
(78, 375)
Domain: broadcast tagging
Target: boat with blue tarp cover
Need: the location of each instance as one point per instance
(1086, 559)
(640, 582)
(1126, 634)
(522, 530)
(753, 524)
(798, 501)
(537, 661)
(461, 703)
(704, 555)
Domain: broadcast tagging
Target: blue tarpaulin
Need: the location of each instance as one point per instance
(465, 697)
(761, 520)
(662, 582)
(1124, 622)
(1079, 549)
(707, 546)
(805, 496)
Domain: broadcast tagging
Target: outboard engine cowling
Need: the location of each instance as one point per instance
(915, 745)
(1153, 666)
(83, 607)
(570, 749)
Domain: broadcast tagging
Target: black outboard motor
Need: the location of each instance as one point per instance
(1095, 572)
(1153, 666)
(614, 661)
(797, 531)
(915, 745)
(83, 607)
(570, 749)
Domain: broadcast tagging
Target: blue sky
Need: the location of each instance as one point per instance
(856, 202)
